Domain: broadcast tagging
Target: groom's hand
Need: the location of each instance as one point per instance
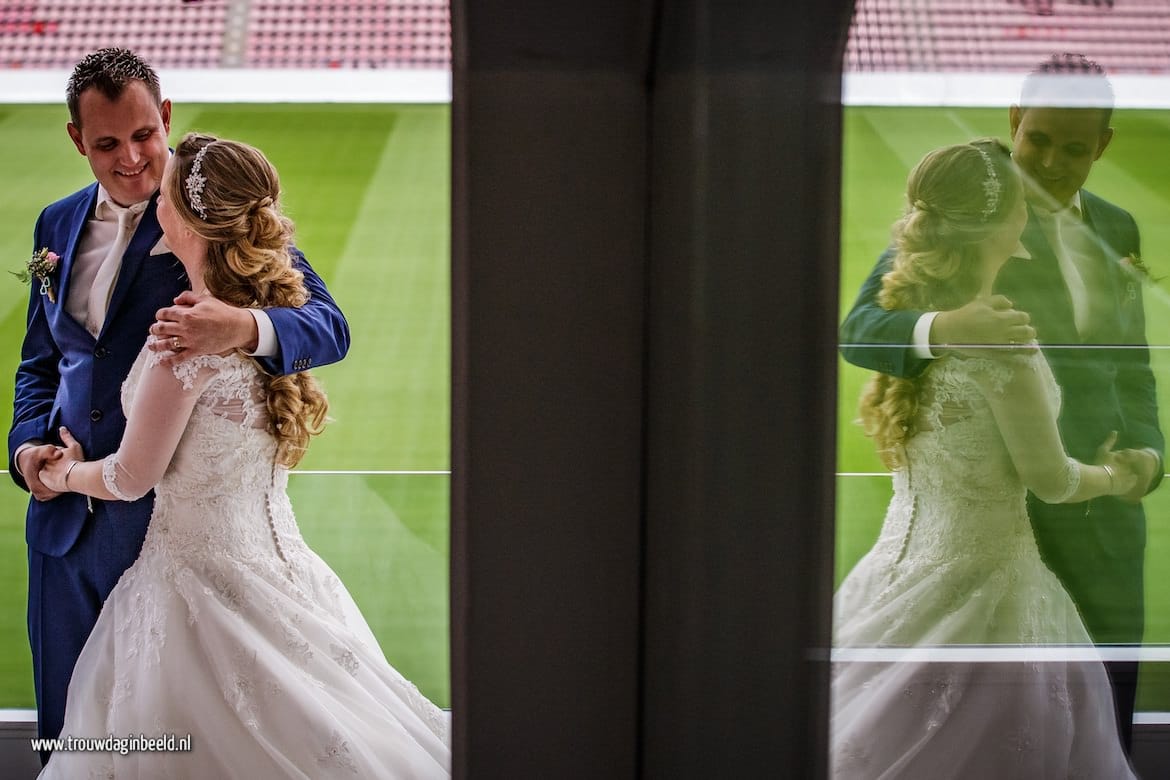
(983, 324)
(202, 325)
(1144, 464)
(30, 462)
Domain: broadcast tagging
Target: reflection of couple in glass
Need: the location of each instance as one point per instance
(995, 535)
(175, 542)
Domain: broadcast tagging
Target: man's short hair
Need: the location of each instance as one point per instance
(1069, 81)
(109, 71)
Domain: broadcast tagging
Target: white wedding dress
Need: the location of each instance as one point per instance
(228, 627)
(956, 566)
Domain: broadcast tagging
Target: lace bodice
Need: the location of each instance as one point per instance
(222, 491)
(961, 492)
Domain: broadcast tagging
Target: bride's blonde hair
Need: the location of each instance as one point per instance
(236, 208)
(956, 197)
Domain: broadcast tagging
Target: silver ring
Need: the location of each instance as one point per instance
(175, 346)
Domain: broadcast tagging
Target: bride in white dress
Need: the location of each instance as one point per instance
(228, 628)
(916, 692)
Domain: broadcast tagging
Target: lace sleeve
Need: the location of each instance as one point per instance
(1022, 396)
(155, 421)
(1072, 480)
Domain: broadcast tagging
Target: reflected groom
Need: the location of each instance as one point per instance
(1077, 298)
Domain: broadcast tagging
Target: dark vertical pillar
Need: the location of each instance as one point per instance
(549, 124)
(644, 281)
(741, 384)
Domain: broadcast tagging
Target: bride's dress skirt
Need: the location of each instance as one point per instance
(955, 570)
(272, 675)
(950, 673)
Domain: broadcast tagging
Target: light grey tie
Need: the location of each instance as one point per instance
(107, 275)
(1069, 245)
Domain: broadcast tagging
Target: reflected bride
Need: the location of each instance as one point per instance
(956, 562)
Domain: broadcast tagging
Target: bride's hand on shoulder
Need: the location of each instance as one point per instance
(983, 327)
(202, 325)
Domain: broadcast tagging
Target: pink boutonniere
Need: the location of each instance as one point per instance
(1138, 270)
(41, 266)
(1134, 263)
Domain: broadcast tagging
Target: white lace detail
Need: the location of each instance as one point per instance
(337, 754)
(1072, 480)
(110, 478)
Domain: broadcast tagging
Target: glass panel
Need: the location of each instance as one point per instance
(921, 76)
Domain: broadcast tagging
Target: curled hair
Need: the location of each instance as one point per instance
(110, 71)
(937, 265)
(248, 262)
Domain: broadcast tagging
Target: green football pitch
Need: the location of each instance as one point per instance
(369, 189)
(881, 145)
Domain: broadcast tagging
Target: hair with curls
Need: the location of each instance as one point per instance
(109, 71)
(957, 197)
(248, 262)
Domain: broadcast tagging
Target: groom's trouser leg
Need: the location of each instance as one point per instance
(1124, 676)
(65, 597)
(61, 612)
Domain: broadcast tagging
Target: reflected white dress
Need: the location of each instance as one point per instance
(956, 564)
(228, 627)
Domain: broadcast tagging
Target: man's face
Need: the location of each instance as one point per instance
(168, 220)
(125, 141)
(1055, 148)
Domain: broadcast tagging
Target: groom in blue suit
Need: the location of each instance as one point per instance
(1081, 291)
(115, 283)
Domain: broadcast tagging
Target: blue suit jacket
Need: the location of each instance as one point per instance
(1096, 549)
(67, 377)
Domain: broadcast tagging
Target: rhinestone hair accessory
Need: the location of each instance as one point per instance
(196, 180)
(992, 187)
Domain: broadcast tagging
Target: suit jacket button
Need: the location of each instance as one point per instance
(95, 415)
(100, 352)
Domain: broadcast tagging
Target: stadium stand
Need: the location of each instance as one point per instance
(230, 33)
(1125, 36)
(928, 36)
(306, 34)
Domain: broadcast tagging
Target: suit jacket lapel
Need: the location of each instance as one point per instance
(1108, 243)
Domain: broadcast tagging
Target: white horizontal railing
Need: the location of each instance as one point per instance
(981, 90)
(244, 85)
